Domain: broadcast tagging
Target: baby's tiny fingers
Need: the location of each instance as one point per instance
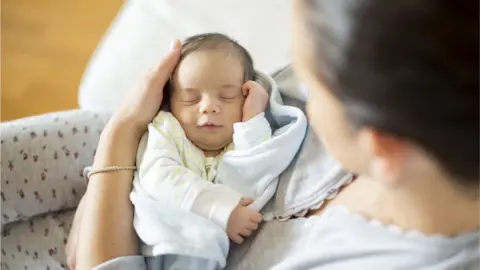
(252, 226)
(245, 232)
(256, 217)
(246, 201)
(245, 90)
(237, 239)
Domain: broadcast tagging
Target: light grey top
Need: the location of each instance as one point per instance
(340, 240)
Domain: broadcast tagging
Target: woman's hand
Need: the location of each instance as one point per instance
(141, 105)
(107, 231)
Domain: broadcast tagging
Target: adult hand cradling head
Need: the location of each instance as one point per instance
(142, 104)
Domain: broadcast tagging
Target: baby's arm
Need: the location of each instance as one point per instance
(163, 177)
(255, 131)
(251, 168)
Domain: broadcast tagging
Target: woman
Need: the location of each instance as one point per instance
(394, 96)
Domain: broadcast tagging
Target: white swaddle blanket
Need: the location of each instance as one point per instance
(166, 229)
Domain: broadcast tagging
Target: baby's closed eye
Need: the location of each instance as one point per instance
(229, 96)
(230, 93)
(189, 95)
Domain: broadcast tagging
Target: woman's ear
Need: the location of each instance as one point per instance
(387, 155)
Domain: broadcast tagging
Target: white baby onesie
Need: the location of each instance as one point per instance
(173, 170)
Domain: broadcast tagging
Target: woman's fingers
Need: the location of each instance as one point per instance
(143, 103)
(162, 71)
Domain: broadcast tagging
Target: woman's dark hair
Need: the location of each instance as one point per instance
(409, 68)
(213, 41)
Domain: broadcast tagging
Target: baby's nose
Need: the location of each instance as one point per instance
(208, 105)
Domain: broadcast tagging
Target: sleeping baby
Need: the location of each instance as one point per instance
(205, 166)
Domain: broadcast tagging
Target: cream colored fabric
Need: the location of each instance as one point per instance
(172, 169)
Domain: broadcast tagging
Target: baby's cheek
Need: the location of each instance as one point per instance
(236, 112)
(184, 114)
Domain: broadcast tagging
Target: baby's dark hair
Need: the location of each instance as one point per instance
(409, 68)
(220, 41)
(213, 41)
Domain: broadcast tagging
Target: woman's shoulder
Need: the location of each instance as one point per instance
(337, 238)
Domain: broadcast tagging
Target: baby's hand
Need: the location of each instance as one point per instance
(256, 100)
(242, 221)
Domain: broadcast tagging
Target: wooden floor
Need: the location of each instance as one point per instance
(45, 46)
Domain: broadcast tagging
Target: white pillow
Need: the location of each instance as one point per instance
(142, 31)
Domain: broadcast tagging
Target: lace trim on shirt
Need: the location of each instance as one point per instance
(414, 234)
(330, 194)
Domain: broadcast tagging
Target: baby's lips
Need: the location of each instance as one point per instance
(208, 123)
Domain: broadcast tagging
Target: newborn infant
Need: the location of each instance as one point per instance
(213, 108)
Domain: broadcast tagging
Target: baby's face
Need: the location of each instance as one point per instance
(207, 97)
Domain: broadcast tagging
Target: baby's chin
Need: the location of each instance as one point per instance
(211, 148)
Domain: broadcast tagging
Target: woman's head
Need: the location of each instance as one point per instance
(389, 77)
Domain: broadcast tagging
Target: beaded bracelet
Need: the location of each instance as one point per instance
(110, 169)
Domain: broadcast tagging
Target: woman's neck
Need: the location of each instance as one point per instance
(431, 207)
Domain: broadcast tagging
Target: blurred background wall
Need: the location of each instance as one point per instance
(45, 46)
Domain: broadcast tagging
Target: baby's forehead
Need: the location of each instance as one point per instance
(226, 52)
(213, 42)
(221, 53)
(207, 67)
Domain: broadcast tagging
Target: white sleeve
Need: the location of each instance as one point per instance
(254, 171)
(251, 133)
(163, 176)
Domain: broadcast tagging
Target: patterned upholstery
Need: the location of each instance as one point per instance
(42, 160)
